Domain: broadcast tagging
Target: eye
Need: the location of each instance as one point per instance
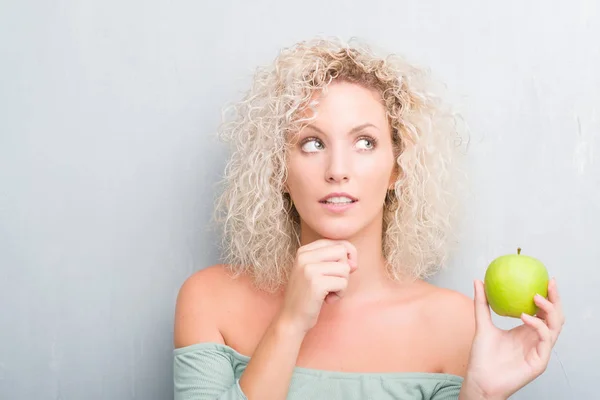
(312, 145)
(366, 143)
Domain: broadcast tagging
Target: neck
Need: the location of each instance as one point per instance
(370, 280)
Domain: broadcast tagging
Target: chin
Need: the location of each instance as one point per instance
(336, 231)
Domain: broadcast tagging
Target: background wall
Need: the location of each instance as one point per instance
(107, 165)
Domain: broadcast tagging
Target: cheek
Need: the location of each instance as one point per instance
(301, 175)
(302, 182)
(374, 171)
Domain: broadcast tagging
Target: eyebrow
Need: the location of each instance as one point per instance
(353, 130)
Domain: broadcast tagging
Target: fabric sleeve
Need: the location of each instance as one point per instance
(205, 374)
(447, 390)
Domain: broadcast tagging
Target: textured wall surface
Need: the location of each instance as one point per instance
(107, 164)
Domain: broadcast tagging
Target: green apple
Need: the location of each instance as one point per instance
(511, 282)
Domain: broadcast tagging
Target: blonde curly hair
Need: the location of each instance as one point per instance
(260, 227)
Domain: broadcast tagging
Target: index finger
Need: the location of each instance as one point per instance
(351, 252)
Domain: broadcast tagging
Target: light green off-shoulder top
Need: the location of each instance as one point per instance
(212, 371)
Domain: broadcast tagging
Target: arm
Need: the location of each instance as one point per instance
(320, 273)
(270, 369)
(197, 320)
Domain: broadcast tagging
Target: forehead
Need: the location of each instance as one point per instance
(343, 103)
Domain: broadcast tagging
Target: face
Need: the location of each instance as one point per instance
(346, 150)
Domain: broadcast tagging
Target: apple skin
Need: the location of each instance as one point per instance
(512, 281)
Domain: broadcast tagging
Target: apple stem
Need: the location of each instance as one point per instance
(519, 251)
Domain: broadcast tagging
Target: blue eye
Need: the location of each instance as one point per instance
(312, 145)
(370, 143)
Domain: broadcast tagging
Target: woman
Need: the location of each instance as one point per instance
(337, 204)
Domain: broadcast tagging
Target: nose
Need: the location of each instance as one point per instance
(338, 166)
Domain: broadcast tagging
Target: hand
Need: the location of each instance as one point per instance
(502, 362)
(320, 274)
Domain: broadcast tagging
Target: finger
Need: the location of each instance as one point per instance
(554, 298)
(351, 253)
(551, 315)
(339, 269)
(545, 345)
(553, 294)
(483, 317)
(541, 314)
(333, 284)
(333, 253)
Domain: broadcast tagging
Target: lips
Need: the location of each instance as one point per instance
(330, 195)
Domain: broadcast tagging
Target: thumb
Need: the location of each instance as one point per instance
(483, 317)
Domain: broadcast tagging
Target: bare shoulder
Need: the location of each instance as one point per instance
(456, 305)
(455, 320)
(201, 302)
